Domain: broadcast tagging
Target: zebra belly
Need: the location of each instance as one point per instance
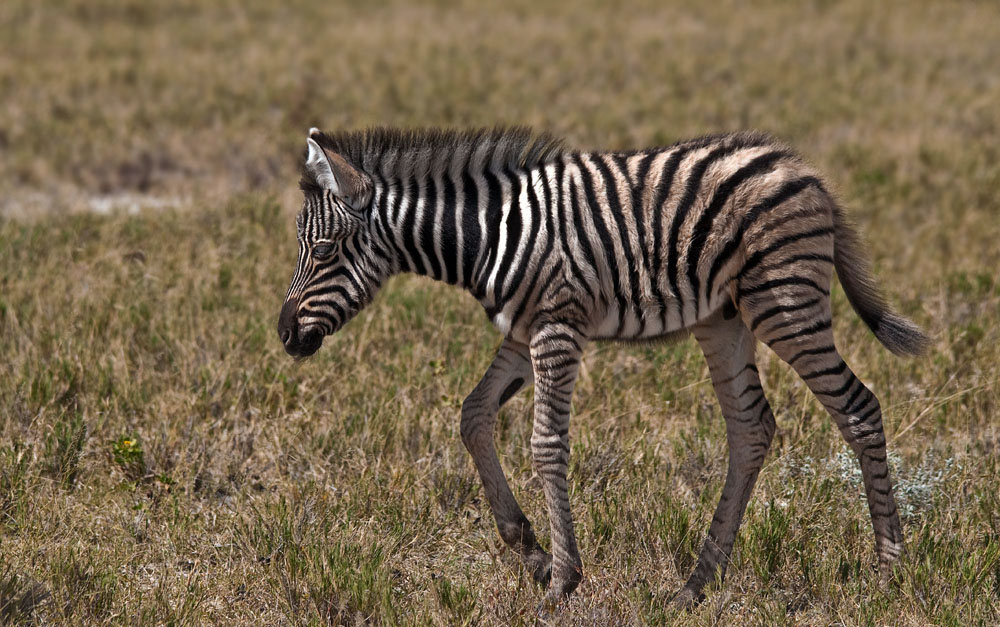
(639, 322)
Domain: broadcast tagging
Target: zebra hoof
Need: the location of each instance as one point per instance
(548, 609)
(889, 572)
(687, 599)
(541, 568)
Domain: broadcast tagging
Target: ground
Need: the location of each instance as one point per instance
(163, 461)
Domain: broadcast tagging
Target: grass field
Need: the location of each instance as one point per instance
(163, 462)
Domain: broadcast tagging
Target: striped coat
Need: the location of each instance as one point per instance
(731, 237)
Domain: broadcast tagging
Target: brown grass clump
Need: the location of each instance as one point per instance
(161, 460)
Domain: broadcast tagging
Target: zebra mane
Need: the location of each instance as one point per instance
(392, 153)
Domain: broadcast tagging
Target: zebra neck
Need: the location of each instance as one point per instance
(446, 226)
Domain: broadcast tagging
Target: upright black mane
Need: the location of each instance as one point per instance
(392, 153)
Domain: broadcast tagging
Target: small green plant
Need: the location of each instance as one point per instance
(457, 599)
(765, 542)
(83, 587)
(129, 457)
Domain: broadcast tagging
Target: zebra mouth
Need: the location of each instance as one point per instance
(307, 342)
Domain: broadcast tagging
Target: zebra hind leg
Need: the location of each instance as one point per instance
(795, 322)
(729, 349)
(509, 373)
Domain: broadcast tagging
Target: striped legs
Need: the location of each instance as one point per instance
(509, 372)
(729, 349)
(555, 356)
(807, 346)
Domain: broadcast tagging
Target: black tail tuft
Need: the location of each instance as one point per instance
(896, 333)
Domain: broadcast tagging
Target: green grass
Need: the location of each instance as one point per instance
(163, 461)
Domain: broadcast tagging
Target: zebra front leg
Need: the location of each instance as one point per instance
(555, 357)
(729, 349)
(509, 372)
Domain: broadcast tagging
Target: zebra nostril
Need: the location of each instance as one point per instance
(287, 323)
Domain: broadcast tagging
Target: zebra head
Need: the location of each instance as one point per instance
(337, 273)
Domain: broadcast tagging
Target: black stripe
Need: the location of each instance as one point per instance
(750, 388)
(773, 311)
(816, 327)
(491, 241)
(787, 191)
(368, 276)
(848, 409)
(514, 229)
(511, 390)
(306, 311)
(616, 209)
(536, 219)
(408, 228)
(757, 166)
(863, 402)
(558, 364)
(691, 186)
(427, 227)
(551, 312)
(320, 292)
(543, 286)
(604, 235)
(760, 397)
(849, 382)
(555, 352)
(806, 257)
(639, 214)
(563, 337)
(581, 233)
(826, 372)
(638, 211)
(821, 350)
(752, 367)
(775, 283)
(759, 256)
(786, 323)
(662, 193)
(470, 230)
(449, 232)
(549, 243)
(383, 220)
(728, 310)
(346, 272)
(865, 416)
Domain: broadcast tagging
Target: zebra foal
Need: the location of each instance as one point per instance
(730, 237)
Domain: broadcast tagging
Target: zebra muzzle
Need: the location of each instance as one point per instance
(298, 341)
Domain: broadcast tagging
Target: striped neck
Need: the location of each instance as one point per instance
(448, 226)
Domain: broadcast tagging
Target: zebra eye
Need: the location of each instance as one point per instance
(322, 251)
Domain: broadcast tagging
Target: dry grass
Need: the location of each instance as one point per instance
(162, 461)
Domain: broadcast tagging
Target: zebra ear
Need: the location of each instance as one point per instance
(332, 172)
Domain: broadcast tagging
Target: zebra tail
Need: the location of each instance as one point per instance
(895, 332)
